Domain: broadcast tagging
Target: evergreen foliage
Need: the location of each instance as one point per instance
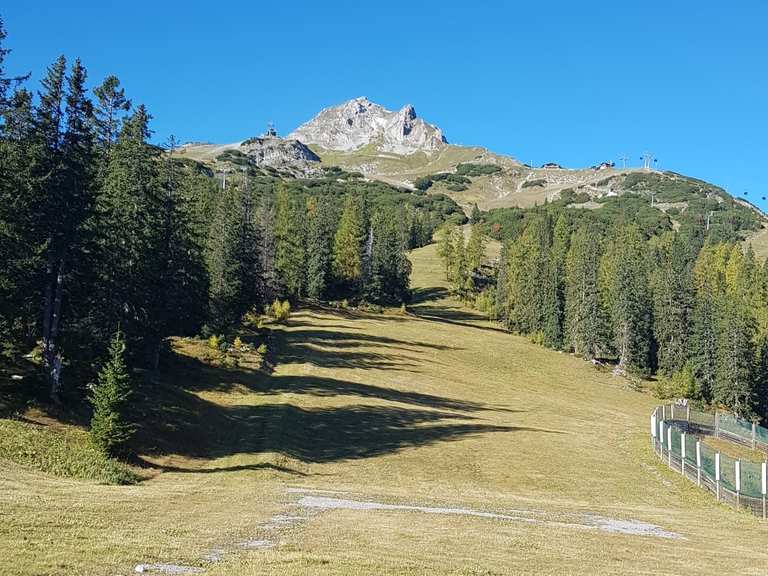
(110, 427)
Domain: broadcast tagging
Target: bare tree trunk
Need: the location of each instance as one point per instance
(52, 315)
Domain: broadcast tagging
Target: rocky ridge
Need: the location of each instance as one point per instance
(360, 122)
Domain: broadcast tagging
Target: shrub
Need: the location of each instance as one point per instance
(469, 169)
(533, 183)
(110, 429)
(681, 384)
(280, 311)
(485, 302)
(214, 342)
(423, 183)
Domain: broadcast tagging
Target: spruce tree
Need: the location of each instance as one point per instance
(389, 265)
(319, 248)
(110, 427)
(672, 286)
(111, 104)
(67, 206)
(624, 293)
(584, 319)
(131, 202)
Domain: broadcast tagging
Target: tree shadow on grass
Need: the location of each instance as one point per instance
(193, 427)
(421, 295)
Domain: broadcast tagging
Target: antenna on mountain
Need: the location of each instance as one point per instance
(271, 132)
(648, 160)
(624, 159)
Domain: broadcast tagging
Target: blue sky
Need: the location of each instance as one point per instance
(570, 82)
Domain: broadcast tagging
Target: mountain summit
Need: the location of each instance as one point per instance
(360, 122)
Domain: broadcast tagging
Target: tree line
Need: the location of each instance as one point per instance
(678, 305)
(109, 242)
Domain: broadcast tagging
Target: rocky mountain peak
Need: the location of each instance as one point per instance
(360, 122)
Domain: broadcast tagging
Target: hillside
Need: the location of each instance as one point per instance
(426, 443)
(403, 150)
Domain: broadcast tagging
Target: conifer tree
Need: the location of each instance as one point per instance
(266, 229)
(389, 268)
(672, 305)
(734, 384)
(475, 247)
(179, 276)
(68, 203)
(319, 248)
(348, 241)
(290, 218)
(111, 103)
(131, 201)
(445, 247)
(624, 293)
(708, 280)
(475, 214)
(584, 322)
(110, 427)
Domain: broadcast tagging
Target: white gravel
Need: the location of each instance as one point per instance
(582, 521)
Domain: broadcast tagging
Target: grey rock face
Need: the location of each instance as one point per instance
(360, 122)
(280, 153)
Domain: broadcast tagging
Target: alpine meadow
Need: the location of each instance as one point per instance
(360, 348)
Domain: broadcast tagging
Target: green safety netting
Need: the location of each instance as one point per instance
(736, 426)
(750, 471)
(751, 478)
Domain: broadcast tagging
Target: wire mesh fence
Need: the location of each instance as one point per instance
(677, 434)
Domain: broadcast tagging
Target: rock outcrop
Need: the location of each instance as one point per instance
(280, 153)
(360, 122)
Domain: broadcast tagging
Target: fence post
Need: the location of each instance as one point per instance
(669, 446)
(661, 439)
(754, 433)
(737, 467)
(664, 411)
(682, 453)
(765, 485)
(687, 412)
(717, 474)
(717, 424)
(698, 463)
(672, 408)
(653, 429)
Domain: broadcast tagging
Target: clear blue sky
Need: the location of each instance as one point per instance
(569, 82)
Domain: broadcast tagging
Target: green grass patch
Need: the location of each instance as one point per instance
(62, 451)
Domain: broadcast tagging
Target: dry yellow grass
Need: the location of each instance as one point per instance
(435, 408)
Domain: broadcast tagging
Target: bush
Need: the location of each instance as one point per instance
(485, 302)
(280, 311)
(469, 169)
(214, 343)
(110, 429)
(681, 384)
(533, 183)
(423, 183)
